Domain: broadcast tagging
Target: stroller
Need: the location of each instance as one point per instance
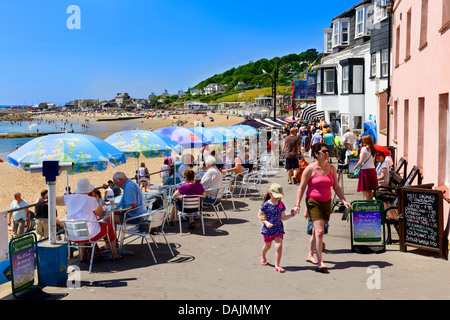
(342, 167)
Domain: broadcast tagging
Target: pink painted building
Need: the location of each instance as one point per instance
(419, 113)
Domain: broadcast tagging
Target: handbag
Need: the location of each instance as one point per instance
(356, 172)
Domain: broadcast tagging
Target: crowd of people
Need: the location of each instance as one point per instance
(316, 178)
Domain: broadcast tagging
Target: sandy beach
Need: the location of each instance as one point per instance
(30, 185)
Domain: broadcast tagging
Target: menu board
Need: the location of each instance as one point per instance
(422, 224)
(22, 254)
(367, 226)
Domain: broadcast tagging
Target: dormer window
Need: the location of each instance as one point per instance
(361, 21)
(380, 10)
(328, 40)
(340, 32)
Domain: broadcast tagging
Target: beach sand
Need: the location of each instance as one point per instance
(31, 184)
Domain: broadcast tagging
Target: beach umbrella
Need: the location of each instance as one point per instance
(137, 142)
(87, 153)
(184, 137)
(227, 132)
(245, 131)
(211, 135)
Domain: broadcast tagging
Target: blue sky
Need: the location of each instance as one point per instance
(145, 46)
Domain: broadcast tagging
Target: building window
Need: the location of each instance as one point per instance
(358, 79)
(397, 47)
(408, 35)
(384, 63)
(336, 34)
(345, 25)
(373, 65)
(359, 30)
(424, 24)
(340, 32)
(319, 81)
(345, 79)
(443, 140)
(421, 132)
(380, 10)
(406, 128)
(357, 123)
(328, 40)
(328, 79)
(445, 15)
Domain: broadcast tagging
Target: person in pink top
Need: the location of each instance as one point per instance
(317, 180)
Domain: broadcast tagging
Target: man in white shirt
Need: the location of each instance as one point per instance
(21, 218)
(211, 179)
(348, 139)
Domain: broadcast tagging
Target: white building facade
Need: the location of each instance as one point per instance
(349, 75)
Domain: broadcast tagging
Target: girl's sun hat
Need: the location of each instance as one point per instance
(276, 190)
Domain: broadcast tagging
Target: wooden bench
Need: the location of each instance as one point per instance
(389, 196)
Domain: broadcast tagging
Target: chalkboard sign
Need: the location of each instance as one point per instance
(422, 220)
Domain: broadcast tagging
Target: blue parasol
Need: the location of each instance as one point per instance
(87, 153)
(185, 137)
(150, 144)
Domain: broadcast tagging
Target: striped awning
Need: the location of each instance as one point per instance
(311, 113)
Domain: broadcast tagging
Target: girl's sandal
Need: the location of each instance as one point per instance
(279, 269)
(262, 261)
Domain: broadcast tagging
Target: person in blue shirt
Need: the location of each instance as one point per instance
(169, 181)
(131, 198)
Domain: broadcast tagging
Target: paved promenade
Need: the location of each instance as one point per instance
(224, 264)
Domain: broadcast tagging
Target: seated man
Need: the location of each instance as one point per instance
(211, 179)
(131, 198)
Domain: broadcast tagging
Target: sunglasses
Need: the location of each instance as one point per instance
(324, 151)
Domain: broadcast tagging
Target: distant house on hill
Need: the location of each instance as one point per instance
(213, 88)
(195, 91)
(241, 85)
(165, 93)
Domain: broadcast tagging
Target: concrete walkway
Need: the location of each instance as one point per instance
(224, 263)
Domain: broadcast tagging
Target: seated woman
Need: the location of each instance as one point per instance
(234, 164)
(382, 169)
(169, 181)
(81, 205)
(191, 188)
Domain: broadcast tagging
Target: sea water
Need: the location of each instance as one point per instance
(8, 145)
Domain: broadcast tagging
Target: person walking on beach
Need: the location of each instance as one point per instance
(272, 214)
(292, 147)
(317, 180)
(144, 177)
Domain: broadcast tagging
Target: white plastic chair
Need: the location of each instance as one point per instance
(228, 190)
(217, 204)
(151, 220)
(77, 230)
(252, 180)
(192, 203)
